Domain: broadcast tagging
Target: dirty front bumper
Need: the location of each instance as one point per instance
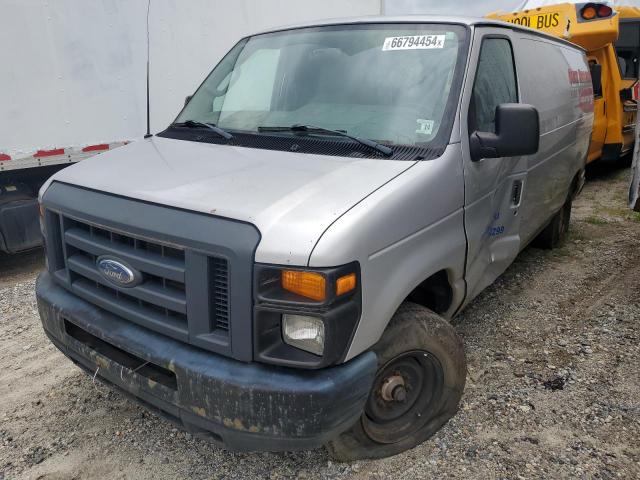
(243, 406)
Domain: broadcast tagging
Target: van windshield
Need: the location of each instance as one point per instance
(391, 83)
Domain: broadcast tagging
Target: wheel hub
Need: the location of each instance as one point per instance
(404, 392)
(393, 389)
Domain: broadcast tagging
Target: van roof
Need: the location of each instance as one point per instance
(454, 19)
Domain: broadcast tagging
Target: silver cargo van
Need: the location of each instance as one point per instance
(278, 268)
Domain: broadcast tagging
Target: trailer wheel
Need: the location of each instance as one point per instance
(420, 379)
(555, 234)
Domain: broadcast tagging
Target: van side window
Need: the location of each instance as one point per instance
(495, 83)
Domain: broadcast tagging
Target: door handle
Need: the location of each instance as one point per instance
(516, 193)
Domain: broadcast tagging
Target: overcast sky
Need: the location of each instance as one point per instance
(469, 7)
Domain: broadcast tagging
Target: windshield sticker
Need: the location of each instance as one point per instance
(415, 42)
(425, 127)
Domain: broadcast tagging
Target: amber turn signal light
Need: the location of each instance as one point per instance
(307, 284)
(345, 284)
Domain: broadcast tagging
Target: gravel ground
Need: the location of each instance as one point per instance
(553, 388)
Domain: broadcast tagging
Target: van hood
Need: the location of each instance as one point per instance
(291, 198)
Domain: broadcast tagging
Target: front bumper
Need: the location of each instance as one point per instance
(243, 406)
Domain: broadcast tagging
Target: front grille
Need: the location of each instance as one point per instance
(159, 302)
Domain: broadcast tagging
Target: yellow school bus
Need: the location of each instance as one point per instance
(611, 37)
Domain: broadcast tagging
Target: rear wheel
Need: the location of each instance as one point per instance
(420, 379)
(555, 234)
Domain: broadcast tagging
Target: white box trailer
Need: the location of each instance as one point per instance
(73, 82)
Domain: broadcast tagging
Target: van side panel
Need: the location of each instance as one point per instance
(491, 212)
(509, 200)
(401, 234)
(555, 79)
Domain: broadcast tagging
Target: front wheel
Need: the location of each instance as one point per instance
(420, 379)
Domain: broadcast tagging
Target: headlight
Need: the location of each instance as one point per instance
(306, 333)
(305, 317)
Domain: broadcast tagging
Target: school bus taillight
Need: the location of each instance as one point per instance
(589, 12)
(604, 11)
(595, 10)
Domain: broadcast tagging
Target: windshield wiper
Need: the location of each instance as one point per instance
(383, 149)
(210, 126)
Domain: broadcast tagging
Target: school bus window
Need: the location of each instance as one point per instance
(596, 77)
(628, 49)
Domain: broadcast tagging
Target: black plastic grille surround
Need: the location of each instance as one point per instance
(312, 144)
(195, 269)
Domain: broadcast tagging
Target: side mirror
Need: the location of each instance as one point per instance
(186, 99)
(596, 78)
(517, 133)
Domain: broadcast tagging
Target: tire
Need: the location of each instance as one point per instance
(420, 352)
(555, 234)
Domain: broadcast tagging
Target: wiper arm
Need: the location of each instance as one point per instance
(383, 149)
(210, 126)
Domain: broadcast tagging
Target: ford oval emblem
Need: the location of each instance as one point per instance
(118, 272)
